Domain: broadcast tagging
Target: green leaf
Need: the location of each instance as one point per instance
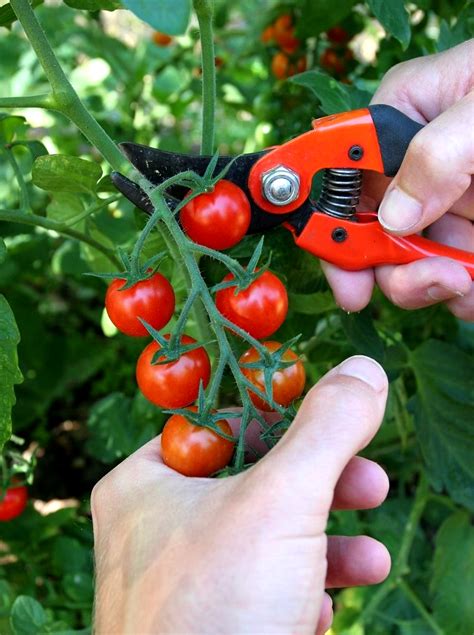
(452, 583)
(60, 173)
(9, 372)
(7, 16)
(461, 31)
(394, 18)
(169, 16)
(36, 148)
(322, 15)
(94, 5)
(361, 332)
(118, 426)
(10, 126)
(3, 251)
(442, 411)
(333, 96)
(312, 303)
(64, 206)
(27, 616)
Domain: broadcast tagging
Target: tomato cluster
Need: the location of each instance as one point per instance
(217, 219)
(337, 58)
(288, 59)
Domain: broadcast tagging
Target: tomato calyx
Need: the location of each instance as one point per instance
(205, 417)
(170, 346)
(269, 363)
(243, 276)
(133, 272)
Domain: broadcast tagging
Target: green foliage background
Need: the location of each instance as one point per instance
(78, 402)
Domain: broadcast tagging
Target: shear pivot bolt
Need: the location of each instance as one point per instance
(280, 185)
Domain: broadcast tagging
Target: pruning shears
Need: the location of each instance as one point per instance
(278, 183)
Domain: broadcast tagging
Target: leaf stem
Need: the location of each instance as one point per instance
(418, 604)
(204, 12)
(17, 216)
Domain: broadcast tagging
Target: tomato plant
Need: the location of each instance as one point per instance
(67, 382)
(260, 309)
(151, 300)
(13, 503)
(173, 384)
(195, 450)
(217, 219)
(287, 382)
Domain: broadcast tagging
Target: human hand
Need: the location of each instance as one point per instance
(247, 553)
(433, 188)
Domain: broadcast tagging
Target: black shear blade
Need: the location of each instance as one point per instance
(159, 165)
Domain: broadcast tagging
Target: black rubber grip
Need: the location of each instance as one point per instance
(394, 131)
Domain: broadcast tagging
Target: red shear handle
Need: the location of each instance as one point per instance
(356, 246)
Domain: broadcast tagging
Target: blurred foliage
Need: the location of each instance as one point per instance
(78, 402)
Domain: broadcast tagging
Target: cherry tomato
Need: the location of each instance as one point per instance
(301, 65)
(151, 299)
(331, 61)
(161, 39)
(173, 384)
(13, 503)
(288, 383)
(260, 309)
(280, 65)
(217, 219)
(268, 34)
(193, 450)
(338, 35)
(283, 24)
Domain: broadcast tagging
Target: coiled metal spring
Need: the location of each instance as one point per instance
(340, 191)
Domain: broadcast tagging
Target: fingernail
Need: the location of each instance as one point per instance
(399, 211)
(439, 292)
(365, 369)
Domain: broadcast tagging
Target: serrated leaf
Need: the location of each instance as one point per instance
(333, 96)
(27, 616)
(9, 371)
(452, 583)
(169, 16)
(94, 5)
(61, 173)
(442, 411)
(394, 18)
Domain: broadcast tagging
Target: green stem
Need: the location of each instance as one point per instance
(29, 101)
(24, 198)
(204, 12)
(418, 604)
(64, 99)
(15, 216)
(400, 567)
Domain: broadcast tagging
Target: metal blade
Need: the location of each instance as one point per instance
(159, 165)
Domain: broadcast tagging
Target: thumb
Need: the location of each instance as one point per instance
(435, 173)
(338, 418)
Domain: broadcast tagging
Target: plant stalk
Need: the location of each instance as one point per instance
(204, 12)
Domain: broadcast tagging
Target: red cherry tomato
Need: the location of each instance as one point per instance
(161, 39)
(151, 299)
(331, 61)
(288, 383)
(338, 35)
(13, 503)
(193, 450)
(260, 309)
(173, 384)
(268, 34)
(301, 65)
(280, 65)
(217, 219)
(283, 24)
